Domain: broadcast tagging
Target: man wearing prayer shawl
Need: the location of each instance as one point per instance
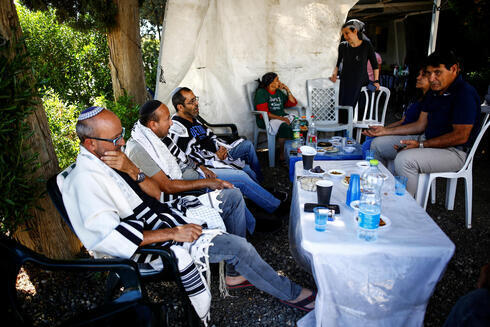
(224, 160)
(114, 209)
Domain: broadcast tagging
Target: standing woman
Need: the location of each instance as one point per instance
(354, 53)
(272, 96)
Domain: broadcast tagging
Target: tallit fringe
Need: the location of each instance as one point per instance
(223, 290)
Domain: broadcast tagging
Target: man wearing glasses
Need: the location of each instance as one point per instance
(114, 210)
(201, 144)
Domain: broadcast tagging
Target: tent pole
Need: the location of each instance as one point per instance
(436, 8)
(396, 43)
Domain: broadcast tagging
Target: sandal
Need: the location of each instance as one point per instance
(301, 305)
(244, 284)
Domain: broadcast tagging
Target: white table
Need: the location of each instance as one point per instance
(384, 283)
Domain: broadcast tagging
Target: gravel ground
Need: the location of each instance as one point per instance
(50, 297)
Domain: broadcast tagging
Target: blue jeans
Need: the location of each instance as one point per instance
(242, 255)
(367, 145)
(246, 151)
(237, 218)
(249, 188)
(472, 309)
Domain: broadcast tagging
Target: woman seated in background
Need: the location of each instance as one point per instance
(412, 112)
(268, 99)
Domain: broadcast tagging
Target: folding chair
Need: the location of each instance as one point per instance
(170, 271)
(271, 139)
(371, 109)
(130, 308)
(323, 104)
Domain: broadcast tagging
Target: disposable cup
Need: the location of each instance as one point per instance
(324, 191)
(400, 185)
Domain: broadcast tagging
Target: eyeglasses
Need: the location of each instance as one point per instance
(113, 141)
(194, 101)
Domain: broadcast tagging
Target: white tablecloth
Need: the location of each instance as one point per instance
(384, 283)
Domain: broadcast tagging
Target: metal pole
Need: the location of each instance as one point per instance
(396, 44)
(436, 8)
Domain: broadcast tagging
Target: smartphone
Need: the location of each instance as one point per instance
(401, 147)
(310, 206)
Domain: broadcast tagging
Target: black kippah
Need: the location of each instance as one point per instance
(149, 107)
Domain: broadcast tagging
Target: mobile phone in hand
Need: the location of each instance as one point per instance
(401, 147)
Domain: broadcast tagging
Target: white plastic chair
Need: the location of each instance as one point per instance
(323, 104)
(250, 89)
(371, 109)
(428, 180)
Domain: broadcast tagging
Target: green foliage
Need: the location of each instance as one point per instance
(18, 163)
(73, 64)
(150, 49)
(62, 119)
(152, 13)
(80, 14)
(124, 108)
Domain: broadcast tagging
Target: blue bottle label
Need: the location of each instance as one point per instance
(369, 219)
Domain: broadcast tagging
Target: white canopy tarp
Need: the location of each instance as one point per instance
(215, 47)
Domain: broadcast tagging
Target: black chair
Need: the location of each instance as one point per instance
(169, 273)
(129, 308)
(229, 137)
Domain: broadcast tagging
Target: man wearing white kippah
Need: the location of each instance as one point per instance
(114, 210)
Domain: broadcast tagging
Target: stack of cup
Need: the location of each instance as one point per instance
(354, 191)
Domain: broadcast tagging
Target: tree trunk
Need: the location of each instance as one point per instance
(125, 58)
(46, 232)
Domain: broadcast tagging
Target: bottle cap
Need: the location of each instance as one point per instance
(373, 162)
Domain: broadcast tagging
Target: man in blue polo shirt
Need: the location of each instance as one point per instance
(447, 126)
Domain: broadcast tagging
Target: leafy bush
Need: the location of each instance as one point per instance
(124, 108)
(72, 63)
(150, 49)
(62, 119)
(18, 163)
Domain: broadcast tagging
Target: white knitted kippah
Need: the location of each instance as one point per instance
(89, 113)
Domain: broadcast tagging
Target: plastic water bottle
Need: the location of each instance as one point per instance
(311, 139)
(370, 203)
(300, 142)
(296, 128)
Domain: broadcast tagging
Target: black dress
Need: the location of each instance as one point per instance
(354, 70)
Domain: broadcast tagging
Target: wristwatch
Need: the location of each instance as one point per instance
(141, 177)
(376, 81)
(421, 145)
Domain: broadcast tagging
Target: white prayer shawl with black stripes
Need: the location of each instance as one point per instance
(179, 133)
(109, 218)
(183, 159)
(157, 150)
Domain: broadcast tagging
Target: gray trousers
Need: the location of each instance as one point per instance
(412, 162)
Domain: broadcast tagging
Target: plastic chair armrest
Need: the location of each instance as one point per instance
(297, 109)
(263, 114)
(232, 127)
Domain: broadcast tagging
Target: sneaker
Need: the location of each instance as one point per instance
(281, 195)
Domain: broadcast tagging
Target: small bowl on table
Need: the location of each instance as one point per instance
(349, 149)
(336, 173)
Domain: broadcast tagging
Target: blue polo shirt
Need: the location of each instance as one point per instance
(460, 104)
(413, 112)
